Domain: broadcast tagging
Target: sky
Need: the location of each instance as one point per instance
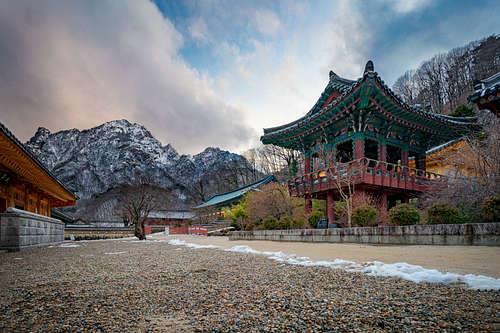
(209, 72)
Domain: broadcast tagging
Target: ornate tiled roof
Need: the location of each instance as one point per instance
(486, 87)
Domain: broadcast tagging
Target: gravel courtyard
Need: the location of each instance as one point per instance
(124, 285)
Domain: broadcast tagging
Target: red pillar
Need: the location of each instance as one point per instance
(330, 207)
(307, 164)
(422, 164)
(359, 148)
(404, 157)
(383, 152)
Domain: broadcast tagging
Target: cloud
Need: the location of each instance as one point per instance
(77, 64)
(198, 30)
(407, 6)
(266, 22)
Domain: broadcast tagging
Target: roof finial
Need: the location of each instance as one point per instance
(369, 67)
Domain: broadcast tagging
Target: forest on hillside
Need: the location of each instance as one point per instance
(445, 81)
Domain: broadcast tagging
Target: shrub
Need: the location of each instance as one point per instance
(270, 223)
(314, 218)
(364, 216)
(491, 208)
(298, 223)
(284, 223)
(249, 226)
(404, 214)
(443, 214)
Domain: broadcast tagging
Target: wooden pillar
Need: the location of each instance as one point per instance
(422, 163)
(330, 207)
(359, 148)
(307, 163)
(404, 157)
(383, 151)
(405, 199)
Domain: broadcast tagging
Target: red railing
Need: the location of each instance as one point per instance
(364, 171)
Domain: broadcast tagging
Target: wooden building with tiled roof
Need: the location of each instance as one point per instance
(363, 125)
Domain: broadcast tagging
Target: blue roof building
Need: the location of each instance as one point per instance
(225, 199)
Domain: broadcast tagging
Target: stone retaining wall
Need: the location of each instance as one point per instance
(443, 234)
(22, 230)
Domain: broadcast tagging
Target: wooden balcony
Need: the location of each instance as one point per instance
(367, 173)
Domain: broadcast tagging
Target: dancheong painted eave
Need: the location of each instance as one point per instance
(369, 97)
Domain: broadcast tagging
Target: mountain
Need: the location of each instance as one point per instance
(95, 160)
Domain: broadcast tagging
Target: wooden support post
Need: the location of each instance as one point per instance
(307, 164)
(422, 163)
(383, 151)
(404, 157)
(330, 207)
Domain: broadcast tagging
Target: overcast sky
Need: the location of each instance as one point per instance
(201, 73)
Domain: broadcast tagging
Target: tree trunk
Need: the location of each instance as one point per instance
(140, 231)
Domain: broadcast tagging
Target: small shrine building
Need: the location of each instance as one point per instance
(362, 128)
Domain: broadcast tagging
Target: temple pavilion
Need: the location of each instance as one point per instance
(362, 128)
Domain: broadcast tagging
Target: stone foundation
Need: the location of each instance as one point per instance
(442, 234)
(22, 230)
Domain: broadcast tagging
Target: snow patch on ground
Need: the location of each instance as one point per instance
(402, 270)
(68, 245)
(192, 245)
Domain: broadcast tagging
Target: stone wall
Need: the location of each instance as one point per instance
(443, 234)
(22, 230)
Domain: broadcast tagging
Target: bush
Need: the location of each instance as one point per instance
(443, 214)
(284, 223)
(298, 223)
(270, 223)
(364, 216)
(404, 214)
(249, 226)
(314, 218)
(491, 208)
(463, 111)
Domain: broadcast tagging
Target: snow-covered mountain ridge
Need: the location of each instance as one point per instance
(94, 160)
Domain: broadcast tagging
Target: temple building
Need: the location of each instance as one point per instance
(486, 94)
(25, 183)
(214, 205)
(28, 191)
(362, 131)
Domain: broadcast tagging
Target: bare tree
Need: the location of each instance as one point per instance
(444, 81)
(137, 200)
(343, 176)
(473, 167)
